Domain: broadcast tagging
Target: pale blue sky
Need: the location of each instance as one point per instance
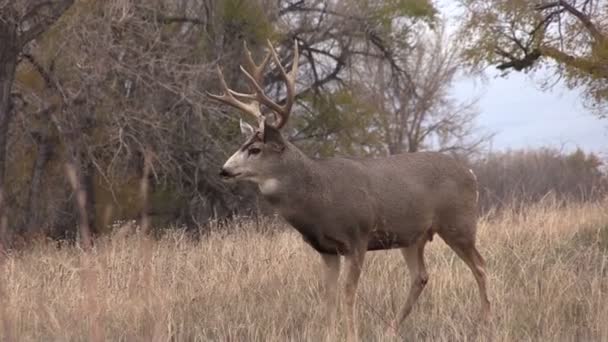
(522, 115)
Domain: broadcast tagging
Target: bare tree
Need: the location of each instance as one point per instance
(142, 67)
(20, 23)
(422, 114)
(118, 76)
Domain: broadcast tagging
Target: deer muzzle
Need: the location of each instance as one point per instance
(225, 174)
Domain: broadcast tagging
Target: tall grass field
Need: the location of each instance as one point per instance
(258, 281)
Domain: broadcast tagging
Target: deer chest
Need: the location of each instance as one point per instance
(323, 241)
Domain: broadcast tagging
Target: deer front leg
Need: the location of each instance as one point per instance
(332, 272)
(354, 264)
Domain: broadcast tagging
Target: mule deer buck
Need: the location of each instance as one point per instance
(347, 206)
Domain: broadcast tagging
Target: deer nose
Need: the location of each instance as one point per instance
(224, 173)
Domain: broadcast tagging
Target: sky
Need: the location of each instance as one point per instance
(523, 116)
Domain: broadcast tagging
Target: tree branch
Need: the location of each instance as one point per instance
(582, 17)
(34, 9)
(586, 65)
(520, 64)
(43, 21)
(181, 20)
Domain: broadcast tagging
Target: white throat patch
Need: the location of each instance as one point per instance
(269, 186)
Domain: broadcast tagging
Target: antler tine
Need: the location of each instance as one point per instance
(228, 98)
(262, 97)
(290, 82)
(256, 70)
(255, 78)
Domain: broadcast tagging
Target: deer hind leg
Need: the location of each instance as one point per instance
(414, 258)
(354, 264)
(332, 272)
(469, 254)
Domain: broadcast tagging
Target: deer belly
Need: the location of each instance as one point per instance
(322, 241)
(325, 244)
(379, 240)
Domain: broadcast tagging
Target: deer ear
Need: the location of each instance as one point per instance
(246, 128)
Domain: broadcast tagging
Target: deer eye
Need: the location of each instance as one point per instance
(254, 151)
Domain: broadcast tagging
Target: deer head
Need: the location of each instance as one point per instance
(264, 146)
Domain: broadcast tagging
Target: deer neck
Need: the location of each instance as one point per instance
(292, 180)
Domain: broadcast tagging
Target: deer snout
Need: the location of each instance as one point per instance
(227, 174)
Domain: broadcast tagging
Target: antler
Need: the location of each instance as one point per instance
(290, 82)
(256, 70)
(255, 78)
(228, 97)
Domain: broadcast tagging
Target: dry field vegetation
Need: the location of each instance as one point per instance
(547, 265)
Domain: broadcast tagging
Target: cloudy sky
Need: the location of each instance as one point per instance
(524, 116)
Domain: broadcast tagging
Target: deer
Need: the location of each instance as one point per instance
(343, 206)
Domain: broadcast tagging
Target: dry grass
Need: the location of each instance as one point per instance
(548, 272)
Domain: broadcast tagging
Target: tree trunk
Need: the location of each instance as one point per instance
(45, 150)
(88, 184)
(393, 149)
(8, 65)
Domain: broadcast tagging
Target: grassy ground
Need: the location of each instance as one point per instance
(547, 270)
